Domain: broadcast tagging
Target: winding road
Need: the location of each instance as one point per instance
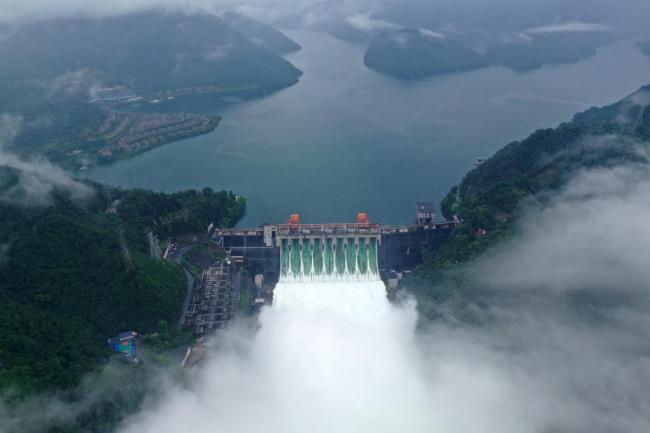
(191, 281)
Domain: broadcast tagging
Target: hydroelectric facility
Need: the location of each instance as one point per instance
(294, 254)
(335, 251)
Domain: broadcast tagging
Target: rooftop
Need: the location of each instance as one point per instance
(426, 207)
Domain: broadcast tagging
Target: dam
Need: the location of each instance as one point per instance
(337, 263)
(294, 251)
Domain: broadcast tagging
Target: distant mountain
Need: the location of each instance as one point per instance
(413, 54)
(331, 17)
(527, 52)
(149, 51)
(261, 34)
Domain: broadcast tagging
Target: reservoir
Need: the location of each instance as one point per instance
(346, 139)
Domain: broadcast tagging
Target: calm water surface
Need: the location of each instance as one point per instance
(347, 139)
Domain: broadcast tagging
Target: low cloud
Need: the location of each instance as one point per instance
(431, 34)
(218, 52)
(568, 27)
(37, 178)
(640, 97)
(31, 10)
(632, 109)
(115, 386)
(82, 82)
(400, 40)
(267, 10)
(365, 23)
(593, 235)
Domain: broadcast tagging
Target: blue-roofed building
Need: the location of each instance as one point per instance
(126, 344)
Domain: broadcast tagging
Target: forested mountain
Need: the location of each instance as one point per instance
(261, 34)
(526, 52)
(412, 54)
(148, 51)
(75, 271)
(489, 199)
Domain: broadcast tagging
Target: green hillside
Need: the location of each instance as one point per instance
(73, 274)
(491, 196)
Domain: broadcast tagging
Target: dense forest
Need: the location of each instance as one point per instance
(490, 198)
(77, 271)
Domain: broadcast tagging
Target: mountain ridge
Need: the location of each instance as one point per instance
(491, 198)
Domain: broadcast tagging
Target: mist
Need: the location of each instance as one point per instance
(591, 236)
(35, 10)
(115, 387)
(37, 178)
(626, 16)
(562, 348)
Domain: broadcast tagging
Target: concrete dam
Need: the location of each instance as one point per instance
(294, 251)
(304, 266)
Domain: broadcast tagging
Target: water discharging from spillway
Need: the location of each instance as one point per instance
(329, 260)
(338, 276)
(331, 355)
